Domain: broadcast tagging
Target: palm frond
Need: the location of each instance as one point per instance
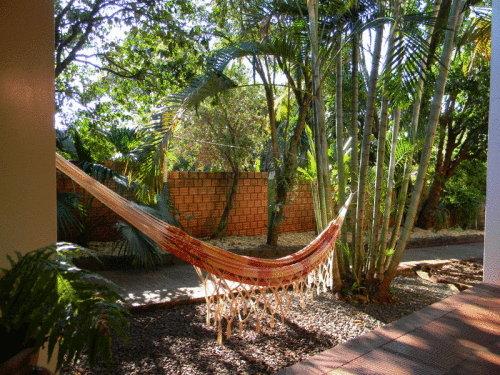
(142, 252)
(407, 64)
(69, 213)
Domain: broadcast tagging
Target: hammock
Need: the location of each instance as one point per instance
(236, 286)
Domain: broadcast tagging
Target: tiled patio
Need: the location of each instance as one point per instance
(459, 335)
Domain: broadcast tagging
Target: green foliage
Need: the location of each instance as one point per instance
(45, 298)
(226, 133)
(69, 213)
(139, 249)
(465, 193)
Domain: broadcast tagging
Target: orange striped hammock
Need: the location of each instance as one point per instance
(237, 287)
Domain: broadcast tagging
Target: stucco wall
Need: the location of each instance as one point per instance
(27, 142)
(27, 172)
(492, 229)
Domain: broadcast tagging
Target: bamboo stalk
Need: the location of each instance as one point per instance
(354, 134)
(454, 22)
(339, 128)
(417, 104)
(390, 189)
(365, 154)
(382, 136)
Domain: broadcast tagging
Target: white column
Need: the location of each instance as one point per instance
(492, 230)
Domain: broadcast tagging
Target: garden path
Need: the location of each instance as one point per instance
(180, 284)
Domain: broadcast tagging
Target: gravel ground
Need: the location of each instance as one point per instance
(176, 340)
(288, 242)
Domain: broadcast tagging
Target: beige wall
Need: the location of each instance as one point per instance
(492, 228)
(27, 172)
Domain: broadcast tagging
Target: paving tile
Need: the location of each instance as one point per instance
(384, 362)
(479, 363)
(453, 326)
(481, 295)
(339, 354)
(304, 367)
(435, 349)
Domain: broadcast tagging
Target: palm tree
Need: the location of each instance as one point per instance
(454, 22)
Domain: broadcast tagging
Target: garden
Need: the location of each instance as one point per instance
(304, 157)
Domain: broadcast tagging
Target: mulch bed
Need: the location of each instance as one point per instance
(177, 341)
(463, 274)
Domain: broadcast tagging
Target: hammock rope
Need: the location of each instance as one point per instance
(236, 286)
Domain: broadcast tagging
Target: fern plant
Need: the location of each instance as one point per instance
(46, 299)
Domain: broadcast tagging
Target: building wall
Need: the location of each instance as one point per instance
(492, 228)
(27, 142)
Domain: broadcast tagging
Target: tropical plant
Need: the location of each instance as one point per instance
(46, 300)
(462, 127)
(373, 111)
(73, 207)
(140, 250)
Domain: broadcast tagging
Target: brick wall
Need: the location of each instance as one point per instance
(102, 220)
(299, 213)
(200, 198)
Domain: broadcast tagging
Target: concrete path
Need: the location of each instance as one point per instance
(462, 251)
(177, 284)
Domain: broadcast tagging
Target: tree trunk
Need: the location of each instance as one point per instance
(388, 198)
(339, 128)
(454, 22)
(221, 227)
(285, 177)
(359, 253)
(319, 132)
(381, 140)
(277, 214)
(415, 117)
(427, 217)
(354, 134)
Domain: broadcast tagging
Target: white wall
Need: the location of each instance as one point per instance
(492, 230)
(27, 143)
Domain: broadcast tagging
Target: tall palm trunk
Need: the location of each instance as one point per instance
(454, 22)
(324, 188)
(359, 254)
(339, 127)
(319, 131)
(381, 141)
(388, 198)
(353, 130)
(415, 117)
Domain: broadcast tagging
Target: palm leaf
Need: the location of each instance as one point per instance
(69, 213)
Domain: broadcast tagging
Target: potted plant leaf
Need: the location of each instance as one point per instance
(46, 300)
